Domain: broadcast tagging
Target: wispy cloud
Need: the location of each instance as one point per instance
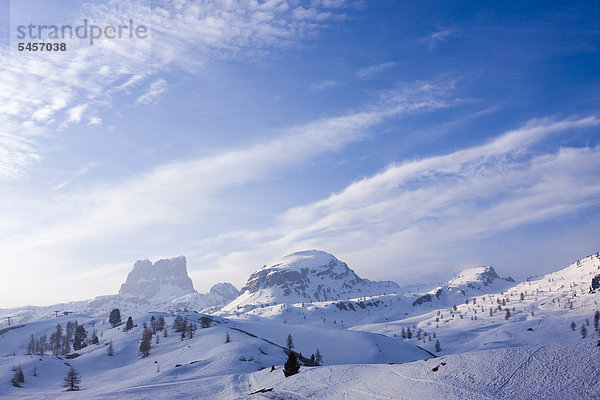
(324, 85)
(372, 70)
(156, 89)
(435, 38)
(183, 193)
(185, 35)
(94, 121)
(420, 207)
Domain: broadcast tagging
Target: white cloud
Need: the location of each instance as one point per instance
(324, 85)
(434, 39)
(178, 196)
(156, 89)
(40, 91)
(75, 113)
(371, 70)
(95, 121)
(407, 215)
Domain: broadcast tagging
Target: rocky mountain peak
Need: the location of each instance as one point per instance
(166, 277)
(225, 290)
(307, 276)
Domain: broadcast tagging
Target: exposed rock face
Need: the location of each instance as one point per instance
(309, 276)
(167, 277)
(226, 290)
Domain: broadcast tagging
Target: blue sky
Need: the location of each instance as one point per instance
(411, 140)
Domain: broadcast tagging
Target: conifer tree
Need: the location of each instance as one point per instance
(227, 338)
(161, 323)
(129, 324)
(79, 339)
(72, 380)
(573, 326)
(31, 345)
(507, 315)
(56, 339)
(115, 317)
(110, 351)
(15, 379)
(291, 366)
(583, 331)
(41, 345)
(318, 357)
(179, 324)
(438, 347)
(290, 341)
(146, 342)
(596, 319)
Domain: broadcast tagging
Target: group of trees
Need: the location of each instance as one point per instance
(156, 325)
(583, 330)
(61, 340)
(292, 365)
(185, 327)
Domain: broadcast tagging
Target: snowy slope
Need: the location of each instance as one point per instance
(544, 314)
(173, 360)
(212, 369)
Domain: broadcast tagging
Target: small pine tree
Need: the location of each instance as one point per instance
(110, 351)
(438, 347)
(507, 315)
(573, 326)
(15, 379)
(72, 380)
(291, 366)
(35, 370)
(115, 317)
(408, 333)
(583, 331)
(146, 344)
(596, 319)
(20, 376)
(290, 341)
(129, 324)
(227, 338)
(79, 337)
(403, 333)
(318, 357)
(31, 345)
(178, 324)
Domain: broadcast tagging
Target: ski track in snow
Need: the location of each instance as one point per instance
(477, 395)
(521, 366)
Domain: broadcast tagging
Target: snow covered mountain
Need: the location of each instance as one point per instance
(160, 286)
(164, 278)
(469, 282)
(306, 276)
(510, 340)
